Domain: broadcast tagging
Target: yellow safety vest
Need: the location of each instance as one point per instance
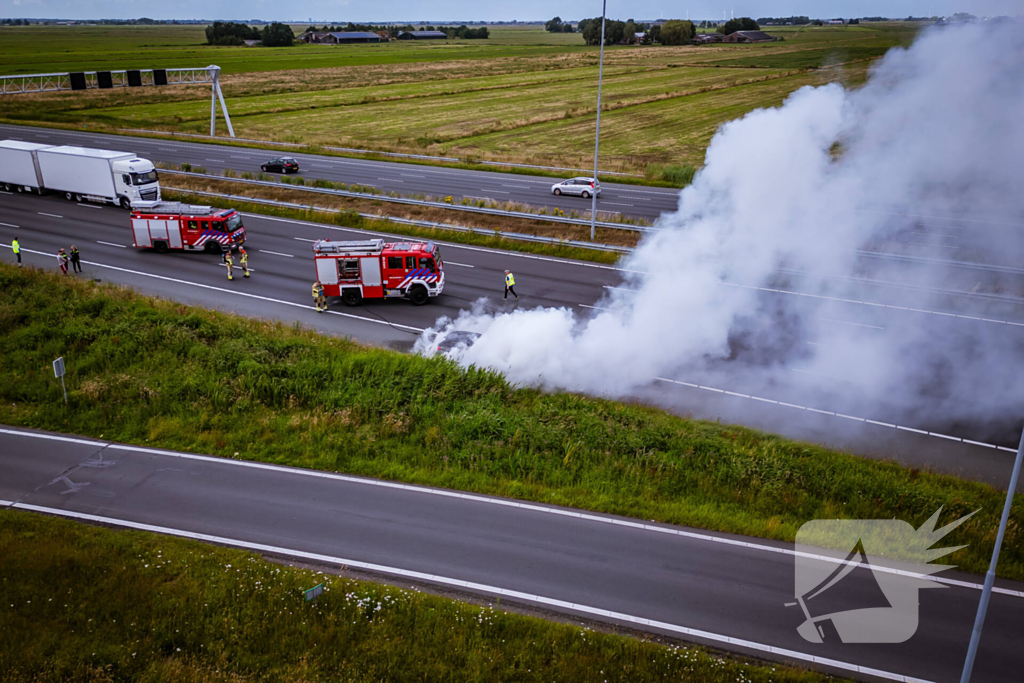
(16, 247)
(509, 280)
(318, 290)
(245, 258)
(228, 260)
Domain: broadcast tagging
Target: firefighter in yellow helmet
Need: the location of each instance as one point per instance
(243, 259)
(229, 263)
(510, 282)
(318, 297)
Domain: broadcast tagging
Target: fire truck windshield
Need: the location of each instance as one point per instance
(233, 223)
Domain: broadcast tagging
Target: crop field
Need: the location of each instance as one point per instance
(522, 96)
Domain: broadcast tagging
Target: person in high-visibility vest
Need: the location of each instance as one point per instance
(510, 280)
(318, 297)
(243, 259)
(76, 259)
(16, 247)
(229, 263)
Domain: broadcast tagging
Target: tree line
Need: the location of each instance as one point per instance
(672, 32)
(275, 34)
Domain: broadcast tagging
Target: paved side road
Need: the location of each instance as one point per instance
(726, 591)
(405, 178)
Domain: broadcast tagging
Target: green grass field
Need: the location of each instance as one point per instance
(522, 96)
(157, 373)
(87, 604)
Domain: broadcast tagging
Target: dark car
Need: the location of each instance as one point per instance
(282, 165)
(457, 339)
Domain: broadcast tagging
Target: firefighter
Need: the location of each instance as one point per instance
(318, 297)
(243, 259)
(229, 263)
(510, 282)
(62, 261)
(76, 259)
(16, 247)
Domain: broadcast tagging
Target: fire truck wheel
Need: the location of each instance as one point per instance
(586, 195)
(418, 295)
(351, 297)
(161, 247)
(214, 247)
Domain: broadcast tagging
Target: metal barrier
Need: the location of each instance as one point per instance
(418, 202)
(416, 223)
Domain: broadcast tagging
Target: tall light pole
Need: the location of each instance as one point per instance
(597, 133)
(990, 577)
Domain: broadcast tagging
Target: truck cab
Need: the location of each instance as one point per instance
(136, 180)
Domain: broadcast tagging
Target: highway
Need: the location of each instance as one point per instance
(694, 585)
(403, 178)
(281, 260)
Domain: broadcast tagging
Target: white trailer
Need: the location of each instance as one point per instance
(79, 173)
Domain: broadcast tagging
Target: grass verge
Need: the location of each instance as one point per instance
(352, 219)
(82, 603)
(154, 372)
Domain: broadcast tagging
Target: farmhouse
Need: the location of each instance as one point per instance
(423, 35)
(749, 37)
(705, 38)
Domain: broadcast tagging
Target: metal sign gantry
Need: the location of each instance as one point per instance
(124, 78)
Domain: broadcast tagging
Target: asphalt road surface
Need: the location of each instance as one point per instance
(407, 179)
(281, 260)
(726, 591)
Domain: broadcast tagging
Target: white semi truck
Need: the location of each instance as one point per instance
(79, 173)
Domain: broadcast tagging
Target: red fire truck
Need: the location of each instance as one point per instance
(373, 269)
(172, 225)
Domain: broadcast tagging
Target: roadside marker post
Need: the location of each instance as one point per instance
(314, 592)
(58, 371)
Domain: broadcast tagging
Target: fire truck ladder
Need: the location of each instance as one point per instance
(125, 78)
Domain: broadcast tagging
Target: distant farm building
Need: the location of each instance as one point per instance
(706, 38)
(340, 37)
(423, 35)
(749, 37)
(252, 43)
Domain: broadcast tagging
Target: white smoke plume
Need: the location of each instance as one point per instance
(925, 159)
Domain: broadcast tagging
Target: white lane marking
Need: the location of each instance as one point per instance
(89, 206)
(219, 161)
(392, 180)
(5, 192)
(925, 244)
(453, 263)
(411, 175)
(111, 244)
(596, 308)
(935, 234)
(848, 417)
(9, 225)
(276, 253)
(473, 586)
(522, 187)
(942, 218)
(503, 502)
(51, 215)
(845, 322)
(496, 191)
(238, 157)
(236, 293)
(614, 204)
(452, 245)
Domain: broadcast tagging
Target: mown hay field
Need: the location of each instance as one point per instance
(522, 96)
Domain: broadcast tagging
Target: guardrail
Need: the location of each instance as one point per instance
(417, 202)
(425, 157)
(417, 223)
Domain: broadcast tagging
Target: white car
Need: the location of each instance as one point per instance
(584, 187)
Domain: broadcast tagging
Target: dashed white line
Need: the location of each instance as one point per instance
(411, 175)
(111, 244)
(5, 192)
(10, 225)
(453, 263)
(276, 253)
(51, 215)
(835, 414)
(219, 161)
(925, 244)
(521, 187)
(391, 180)
(845, 322)
(614, 204)
(496, 191)
(88, 206)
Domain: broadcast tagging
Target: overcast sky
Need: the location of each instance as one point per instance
(473, 10)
